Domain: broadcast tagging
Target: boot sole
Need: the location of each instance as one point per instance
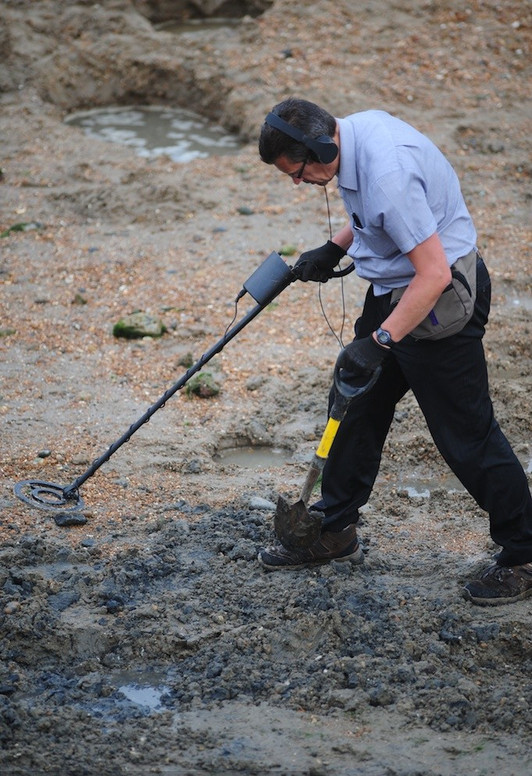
(355, 558)
(480, 601)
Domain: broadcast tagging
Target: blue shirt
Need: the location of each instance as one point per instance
(398, 189)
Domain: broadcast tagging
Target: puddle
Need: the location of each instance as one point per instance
(153, 131)
(119, 696)
(415, 492)
(144, 695)
(424, 487)
(146, 689)
(260, 457)
(198, 26)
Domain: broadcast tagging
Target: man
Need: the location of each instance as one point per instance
(412, 237)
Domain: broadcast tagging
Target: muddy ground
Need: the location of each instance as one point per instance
(147, 639)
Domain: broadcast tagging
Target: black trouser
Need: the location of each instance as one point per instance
(449, 380)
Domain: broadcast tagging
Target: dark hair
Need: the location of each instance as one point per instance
(306, 116)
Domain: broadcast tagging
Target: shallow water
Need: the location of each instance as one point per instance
(250, 457)
(198, 26)
(144, 695)
(152, 131)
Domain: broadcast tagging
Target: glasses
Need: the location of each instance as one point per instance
(299, 173)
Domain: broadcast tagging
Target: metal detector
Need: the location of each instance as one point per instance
(267, 282)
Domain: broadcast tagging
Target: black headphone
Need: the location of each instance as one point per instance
(323, 147)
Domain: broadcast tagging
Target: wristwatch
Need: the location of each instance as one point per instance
(384, 338)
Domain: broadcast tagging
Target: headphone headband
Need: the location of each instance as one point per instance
(323, 147)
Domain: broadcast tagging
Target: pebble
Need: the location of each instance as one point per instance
(256, 502)
(69, 518)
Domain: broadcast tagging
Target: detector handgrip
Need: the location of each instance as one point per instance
(340, 273)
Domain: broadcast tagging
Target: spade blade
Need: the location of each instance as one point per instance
(296, 527)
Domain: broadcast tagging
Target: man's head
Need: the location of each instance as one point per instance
(301, 140)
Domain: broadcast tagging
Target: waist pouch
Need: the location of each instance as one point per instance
(455, 306)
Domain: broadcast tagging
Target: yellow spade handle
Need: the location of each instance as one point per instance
(320, 456)
(327, 438)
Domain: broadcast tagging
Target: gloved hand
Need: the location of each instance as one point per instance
(360, 359)
(318, 264)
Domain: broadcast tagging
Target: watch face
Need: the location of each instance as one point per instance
(384, 337)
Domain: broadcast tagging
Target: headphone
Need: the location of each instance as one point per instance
(323, 147)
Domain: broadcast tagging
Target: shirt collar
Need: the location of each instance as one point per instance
(347, 173)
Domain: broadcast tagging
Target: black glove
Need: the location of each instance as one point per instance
(318, 264)
(360, 359)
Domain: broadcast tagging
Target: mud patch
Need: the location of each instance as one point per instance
(146, 642)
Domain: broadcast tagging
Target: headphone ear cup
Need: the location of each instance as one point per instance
(326, 149)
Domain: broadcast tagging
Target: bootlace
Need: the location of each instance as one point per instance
(500, 573)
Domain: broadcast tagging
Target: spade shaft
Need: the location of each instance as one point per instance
(295, 526)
